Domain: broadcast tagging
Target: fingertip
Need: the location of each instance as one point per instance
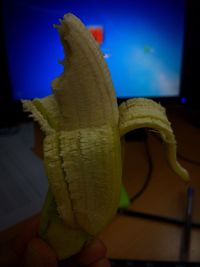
(27, 233)
(39, 254)
(92, 252)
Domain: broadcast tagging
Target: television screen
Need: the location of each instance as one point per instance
(142, 42)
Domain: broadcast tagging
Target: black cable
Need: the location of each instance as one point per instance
(149, 174)
(151, 263)
(158, 218)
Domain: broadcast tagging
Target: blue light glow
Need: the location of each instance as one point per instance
(184, 100)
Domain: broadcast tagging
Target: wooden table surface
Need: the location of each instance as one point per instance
(135, 238)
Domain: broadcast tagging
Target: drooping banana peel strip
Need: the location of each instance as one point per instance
(82, 146)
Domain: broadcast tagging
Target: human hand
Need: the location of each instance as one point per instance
(28, 250)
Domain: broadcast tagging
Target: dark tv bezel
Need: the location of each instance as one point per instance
(190, 81)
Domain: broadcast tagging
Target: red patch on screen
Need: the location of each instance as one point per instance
(97, 32)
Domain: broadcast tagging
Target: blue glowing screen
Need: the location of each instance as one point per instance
(142, 41)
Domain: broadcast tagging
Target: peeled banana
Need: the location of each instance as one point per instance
(84, 129)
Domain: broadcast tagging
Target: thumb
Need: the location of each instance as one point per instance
(39, 254)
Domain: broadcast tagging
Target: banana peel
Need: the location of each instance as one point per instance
(84, 130)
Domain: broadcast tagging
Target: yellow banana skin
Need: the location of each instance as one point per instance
(84, 129)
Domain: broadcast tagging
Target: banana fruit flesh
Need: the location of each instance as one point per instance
(84, 130)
